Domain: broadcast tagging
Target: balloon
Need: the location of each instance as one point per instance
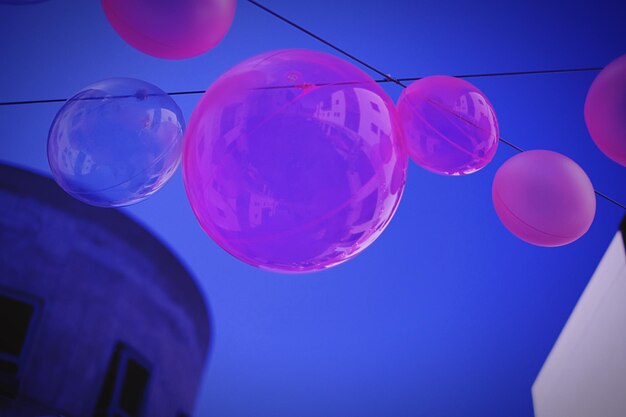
(449, 126)
(605, 110)
(292, 161)
(115, 142)
(544, 198)
(172, 29)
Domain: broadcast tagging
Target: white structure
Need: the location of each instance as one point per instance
(585, 373)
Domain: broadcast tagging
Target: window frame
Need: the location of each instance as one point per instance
(122, 355)
(33, 324)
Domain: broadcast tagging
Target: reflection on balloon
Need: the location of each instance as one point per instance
(449, 126)
(172, 29)
(544, 198)
(292, 161)
(115, 142)
(605, 110)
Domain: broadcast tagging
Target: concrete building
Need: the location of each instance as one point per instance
(585, 373)
(97, 317)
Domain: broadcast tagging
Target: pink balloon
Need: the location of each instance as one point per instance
(292, 161)
(544, 198)
(449, 126)
(605, 110)
(172, 29)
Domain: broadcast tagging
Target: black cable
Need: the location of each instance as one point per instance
(325, 42)
(513, 73)
(387, 78)
(17, 103)
(191, 92)
(506, 142)
(184, 93)
(607, 198)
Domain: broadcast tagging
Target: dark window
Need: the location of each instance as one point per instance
(352, 118)
(17, 315)
(14, 326)
(125, 387)
(229, 118)
(375, 106)
(134, 388)
(374, 128)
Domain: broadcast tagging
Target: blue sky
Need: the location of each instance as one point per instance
(446, 314)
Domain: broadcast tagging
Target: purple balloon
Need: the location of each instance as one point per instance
(605, 110)
(172, 29)
(116, 142)
(292, 161)
(449, 126)
(544, 198)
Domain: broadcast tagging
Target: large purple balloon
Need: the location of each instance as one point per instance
(605, 110)
(292, 161)
(116, 142)
(173, 29)
(449, 125)
(544, 198)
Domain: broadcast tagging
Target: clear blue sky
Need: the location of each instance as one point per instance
(447, 314)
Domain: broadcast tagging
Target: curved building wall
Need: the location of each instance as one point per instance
(102, 286)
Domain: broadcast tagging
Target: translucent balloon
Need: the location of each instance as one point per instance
(449, 126)
(292, 161)
(605, 110)
(172, 29)
(544, 198)
(115, 142)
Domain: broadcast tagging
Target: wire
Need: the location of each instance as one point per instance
(607, 198)
(506, 142)
(513, 73)
(387, 78)
(192, 92)
(399, 81)
(17, 103)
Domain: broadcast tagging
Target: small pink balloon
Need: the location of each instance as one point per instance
(292, 161)
(449, 126)
(544, 198)
(172, 29)
(605, 110)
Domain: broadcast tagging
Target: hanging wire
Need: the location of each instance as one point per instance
(514, 73)
(399, 81)
(325, 42)
(380, 81)
(387, 78)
